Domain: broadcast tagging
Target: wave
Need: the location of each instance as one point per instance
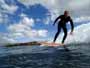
(81, 35)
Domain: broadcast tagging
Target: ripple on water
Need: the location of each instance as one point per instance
(44, 57)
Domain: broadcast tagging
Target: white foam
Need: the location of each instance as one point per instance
(81, 34)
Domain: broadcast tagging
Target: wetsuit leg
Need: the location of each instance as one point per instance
(65, 33)
(57, 34)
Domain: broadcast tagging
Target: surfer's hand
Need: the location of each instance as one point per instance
(71, 33)
(53, 24)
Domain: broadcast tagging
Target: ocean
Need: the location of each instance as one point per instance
(45, 56)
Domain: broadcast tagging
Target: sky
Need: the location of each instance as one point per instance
(31, 20)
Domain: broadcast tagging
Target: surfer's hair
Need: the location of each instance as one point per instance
(66, 12)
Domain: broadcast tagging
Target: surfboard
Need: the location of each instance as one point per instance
(51, 44)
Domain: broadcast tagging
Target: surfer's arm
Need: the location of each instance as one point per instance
(72, 25)
(56, 20)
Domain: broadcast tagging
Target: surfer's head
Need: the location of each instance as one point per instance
(66, 13)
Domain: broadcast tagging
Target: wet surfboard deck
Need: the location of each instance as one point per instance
(51, 44)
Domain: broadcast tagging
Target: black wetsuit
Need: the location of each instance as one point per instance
(62, 24)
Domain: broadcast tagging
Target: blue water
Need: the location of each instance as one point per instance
(45, 57)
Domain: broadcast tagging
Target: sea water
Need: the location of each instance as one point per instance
(45, 57)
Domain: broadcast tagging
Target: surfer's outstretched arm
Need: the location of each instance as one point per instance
(72, 25)
(56, 20)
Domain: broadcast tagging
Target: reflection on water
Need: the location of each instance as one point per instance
(45, 57)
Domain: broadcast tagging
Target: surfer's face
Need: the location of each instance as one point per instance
(66, 13)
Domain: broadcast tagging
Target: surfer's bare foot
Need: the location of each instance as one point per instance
(66, 48)
(62, 44)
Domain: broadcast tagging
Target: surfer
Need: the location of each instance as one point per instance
(62, 25)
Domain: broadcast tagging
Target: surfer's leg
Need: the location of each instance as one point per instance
(66, 49)
(65, 34)
(56, 35)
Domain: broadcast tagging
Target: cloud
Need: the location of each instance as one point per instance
(78, 4)
(27, 21)
(19, 30)
(43, 33)
(81, 35)
(46, 20)
(36, 33)
(82, 19)
(23, 15)
(4, 39)
(50, 5)
(17, 27)
(3, 18)
(56, 7)
(24, 29)
(8, 8)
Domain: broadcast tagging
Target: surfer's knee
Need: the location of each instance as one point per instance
(65, 33)
(58, 32)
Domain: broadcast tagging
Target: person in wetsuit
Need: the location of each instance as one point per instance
(62, 24)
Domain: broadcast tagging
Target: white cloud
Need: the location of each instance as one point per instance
(23, 15)
(81, 35)
(17, 27)
(50, 5)
(47, 20)
(24, 29)
(82, 19)
(4, 39)
(79, 4)
(36, 33)
(56, 7)
(31, 34)
(27, 21)
(3, 18)
(42, 33)
(15, 35)
(8, 8)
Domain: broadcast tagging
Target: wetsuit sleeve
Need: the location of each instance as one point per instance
(72, 25)
(57, 19)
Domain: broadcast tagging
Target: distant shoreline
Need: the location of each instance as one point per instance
(24, 44)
